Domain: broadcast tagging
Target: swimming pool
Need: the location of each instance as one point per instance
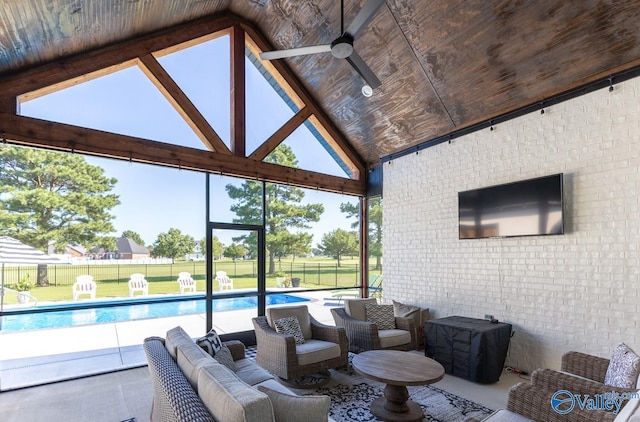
(75, 317)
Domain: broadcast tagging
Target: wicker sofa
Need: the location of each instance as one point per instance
(580, 374)
(190, 385)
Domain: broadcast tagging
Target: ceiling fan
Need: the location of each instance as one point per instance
(341, 47)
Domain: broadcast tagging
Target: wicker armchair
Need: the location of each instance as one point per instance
(364, 335)
(582, 374)
(325, 346)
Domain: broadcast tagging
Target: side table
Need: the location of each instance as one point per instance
(469, 348)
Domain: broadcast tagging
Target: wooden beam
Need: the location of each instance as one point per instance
(65, 71)
(9, 105)
(183, 105)
(342, 147)
(21, 130)
(238, 99)
(281, 134)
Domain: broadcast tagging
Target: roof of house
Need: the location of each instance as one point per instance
(126, 245)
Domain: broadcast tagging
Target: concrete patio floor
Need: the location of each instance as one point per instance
(42, 356)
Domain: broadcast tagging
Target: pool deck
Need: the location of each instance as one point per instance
(36, 357)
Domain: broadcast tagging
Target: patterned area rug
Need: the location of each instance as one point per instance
(351, 395)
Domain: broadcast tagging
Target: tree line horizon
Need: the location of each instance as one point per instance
(59, 198)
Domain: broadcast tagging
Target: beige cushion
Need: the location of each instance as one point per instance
(381, 315)
(356, 308)
(391, 338)
(175, 337)
(313, 351)
(190, 357)
(419, 315)
(224, 357)
(290, 407)
(629, 410)
(251, 373)
(301, 312)
(229, 399)
(503, 415)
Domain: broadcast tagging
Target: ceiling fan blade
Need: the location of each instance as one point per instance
(301, 51)
(363, 70)
(363, 17)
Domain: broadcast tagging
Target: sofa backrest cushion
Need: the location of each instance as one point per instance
(285, 405)
(301, 312)
(190, 357)
(176, 337)
(356, 308)
(230, 399)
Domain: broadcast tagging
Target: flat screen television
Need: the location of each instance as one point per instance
(531, 207)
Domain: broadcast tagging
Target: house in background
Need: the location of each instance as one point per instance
(128, 249)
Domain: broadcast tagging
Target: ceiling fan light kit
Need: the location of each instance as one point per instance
(342, 47)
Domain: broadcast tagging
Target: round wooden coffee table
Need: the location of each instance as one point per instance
(397, 370)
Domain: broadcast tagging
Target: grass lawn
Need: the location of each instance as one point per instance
(112, 279)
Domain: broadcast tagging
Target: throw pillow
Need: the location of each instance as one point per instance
(211, 342)
(623, 369)
(381, 315)
(288, 407)
(290, 325)
(224, 357)
(406, 311)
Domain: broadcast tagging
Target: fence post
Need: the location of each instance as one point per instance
(318, 273)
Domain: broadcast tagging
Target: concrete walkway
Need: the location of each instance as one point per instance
(41, 356)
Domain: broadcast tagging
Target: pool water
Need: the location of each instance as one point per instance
(75, 317)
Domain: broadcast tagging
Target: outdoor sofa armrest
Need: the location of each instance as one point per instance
(408, 324)
(584, 365)
(362, 335)
(534, 402)
(237, 349)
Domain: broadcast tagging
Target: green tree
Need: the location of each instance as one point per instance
(218, 247)
(375, 226)
(286, 217)
(338, 243)
(173, 244)
(54, 198)
(234, 251)
(130, 234)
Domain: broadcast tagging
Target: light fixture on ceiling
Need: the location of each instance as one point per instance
(367, 91)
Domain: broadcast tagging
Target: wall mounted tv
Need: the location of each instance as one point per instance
(526, 208)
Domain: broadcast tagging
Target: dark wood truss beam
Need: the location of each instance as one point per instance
(281, 134)
(28, 131)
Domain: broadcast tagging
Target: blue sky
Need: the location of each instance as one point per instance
(154, 199)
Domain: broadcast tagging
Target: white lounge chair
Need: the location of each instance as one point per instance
(137, 283)
(84, 285)
(224, 282)
(186, 282)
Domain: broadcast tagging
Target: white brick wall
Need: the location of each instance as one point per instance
(578, 291)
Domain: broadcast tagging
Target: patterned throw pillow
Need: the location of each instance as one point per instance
(224, 357)
(211, 343)
(290, 325)
(381, 315)
(623, 369)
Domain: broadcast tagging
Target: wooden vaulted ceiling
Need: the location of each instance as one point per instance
(444, 65)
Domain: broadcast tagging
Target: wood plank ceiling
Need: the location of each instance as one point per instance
(444, 65)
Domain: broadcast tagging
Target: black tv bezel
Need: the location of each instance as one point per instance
(556, 175)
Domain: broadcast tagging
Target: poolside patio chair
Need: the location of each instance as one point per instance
(318, 347)
(186, 282)
(84, 285)
(224, 282)
(137, 283)
(374, 328)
